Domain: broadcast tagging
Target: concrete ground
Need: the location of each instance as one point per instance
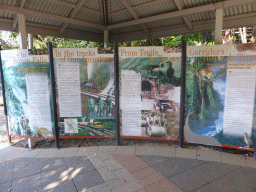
(124, 168)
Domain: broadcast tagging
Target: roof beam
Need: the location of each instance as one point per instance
(135, 15)
(72, 14)
(120, 12)
(184, 12)
(101, 12)
(22, 3)
(180, 4)
(199, 26)
(109, 12)
(18, 10)
(33, 28)
(73, 6)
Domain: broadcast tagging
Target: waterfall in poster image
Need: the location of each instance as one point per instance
(91, 68)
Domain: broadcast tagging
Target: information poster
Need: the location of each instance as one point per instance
(85, 91)
(220, 95)
(150, 80)
(28, 93)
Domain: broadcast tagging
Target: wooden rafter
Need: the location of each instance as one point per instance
(135, 15)
(18, 10)
(184, 12)
(22, 3)
(180, 4)
(72, 14)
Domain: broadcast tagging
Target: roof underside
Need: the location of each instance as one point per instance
(125, 20)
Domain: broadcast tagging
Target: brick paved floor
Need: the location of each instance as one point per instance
(119, 169)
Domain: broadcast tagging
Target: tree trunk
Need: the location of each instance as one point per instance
(243, 34)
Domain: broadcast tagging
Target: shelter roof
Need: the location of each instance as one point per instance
(125, 20)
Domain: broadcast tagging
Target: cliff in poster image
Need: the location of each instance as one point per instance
(220, 97)
(28, 95)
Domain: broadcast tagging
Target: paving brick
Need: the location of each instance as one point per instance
(211, 171)
(144, 150)
(233, 159)
(209, 155)
(147, 176)
(125, 150)
(165, 151)
(130, 187)
(175, 165)
(250, 162)
(27, 183)
(163, 186)
(123, 157)
(113, 164)
(26, 169)
(86, 190)
(124, 176)
(107, 150)
(141, 190)
(55, 176)
(87, 151)
(22, 162)
(207, 188)
(78, 165)
(31, 153)
(246, 176)
(230, 183)
(97, 162)
(186, 153)
(51, 163)
(187, 181)
(48, 153)
(153, 160)
(67, 152)
(11, 152)
(5, 187)
(108, 186)
(6, 171)
(107, 174)
(88, 180)
(105, 157)
(60, 186)
(134, 164)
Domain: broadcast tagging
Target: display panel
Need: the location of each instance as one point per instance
(220, 95)
(85, 92)
(150, 80)
(28, 93)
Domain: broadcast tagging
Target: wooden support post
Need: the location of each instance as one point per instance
(31, 143)
(218, 26)
(30, 41)
(106, 39)
(22, 31)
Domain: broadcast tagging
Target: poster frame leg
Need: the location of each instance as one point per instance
(116, 72)
(182, 92)
(9, 140)
(54, 104)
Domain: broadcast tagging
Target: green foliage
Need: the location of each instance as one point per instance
(81, 132)
(40, 41)
(109, 125)
(200, 95)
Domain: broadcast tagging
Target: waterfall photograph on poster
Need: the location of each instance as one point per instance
(220, 100)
